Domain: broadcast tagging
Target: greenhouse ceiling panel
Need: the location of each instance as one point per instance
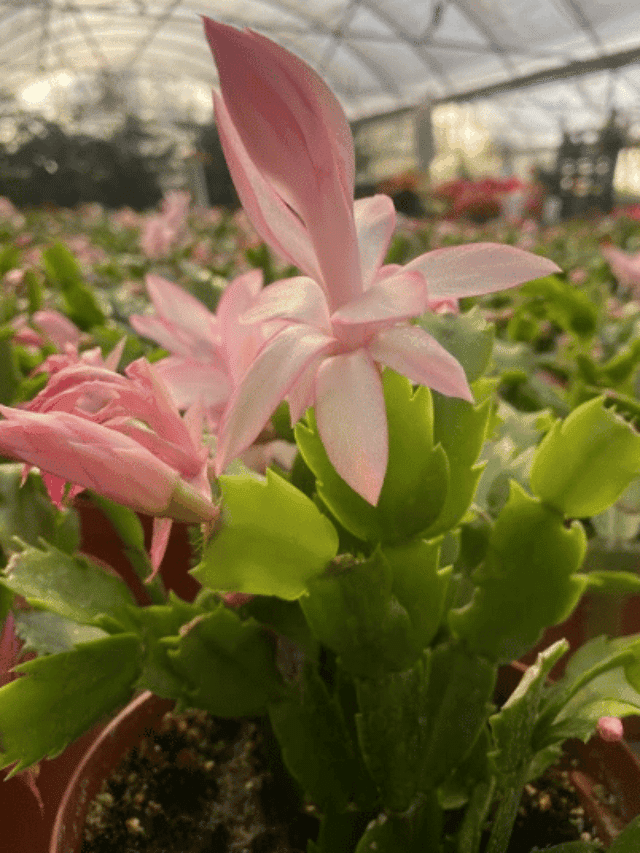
(542, 64)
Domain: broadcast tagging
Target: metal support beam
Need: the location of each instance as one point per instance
(577, 68)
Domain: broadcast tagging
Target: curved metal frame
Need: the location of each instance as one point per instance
(40, 40)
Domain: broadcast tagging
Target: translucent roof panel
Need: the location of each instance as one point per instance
(529, 64)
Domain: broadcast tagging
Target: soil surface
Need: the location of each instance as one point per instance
(205, 785)
(199, 785)
(550, 813)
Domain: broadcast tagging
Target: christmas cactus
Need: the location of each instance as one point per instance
(363, 593)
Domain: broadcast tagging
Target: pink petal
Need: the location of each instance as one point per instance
(266, 383)
(182, 325)
(273, 220)
(296, 134)
(240, 344)
(89, 397)
(352, 421)
(289, 120)
(418, 356)
(303, 393)
(299, 299)
(112, 361)
(396, 298)
(194, 421)
(91, 455)
(478, 268)
(165, 334)
(375, 219)
(189, 381)
(258, 457)
(69, 378)
(159, 541)
(154, 404)
(57, 328)
(179, 307)
(180, 459)
(624, 266)
(237, 297)
(55, 488)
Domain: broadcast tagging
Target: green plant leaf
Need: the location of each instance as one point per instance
(417, 479)
(468, 337)
(159, 628)
(75, 588)
(228, 664)
(512, 728)
(594, 685)
(460, 428)
(49, 634)
(527, 581)
(458, 680)
(614, 583)
(9, 374)
(64, 272)
(352, 610)
(317, 747)
(586, 462)
(629, 839)
(339, 831)
(392, 733)
(61, 696)
(27, 513)
(273, 539)
(414, 832)
(618, 368)
(562, 303)
(419, 585)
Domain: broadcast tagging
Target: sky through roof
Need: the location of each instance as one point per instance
(529, 66)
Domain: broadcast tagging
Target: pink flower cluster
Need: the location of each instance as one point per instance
(320, 339)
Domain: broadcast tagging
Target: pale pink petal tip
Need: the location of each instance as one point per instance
(610, 729)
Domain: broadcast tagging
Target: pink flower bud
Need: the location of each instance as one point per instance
(610, 729)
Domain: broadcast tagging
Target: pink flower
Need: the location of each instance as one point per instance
(624, 266)
(7, 210)
(13, 277)
(49, 327)
(161, 232)
(120, 436)
(125, 218)
(610, 729)
(58, 361)
(290, 152)
(57, 328)
(210, 352)
(84, 250)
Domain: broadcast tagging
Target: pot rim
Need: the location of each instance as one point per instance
(124, 728)
(128, 725)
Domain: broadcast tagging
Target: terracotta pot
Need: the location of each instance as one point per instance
(24, 826)
(98, 539)
(31, 830)
(102, 757)
(609, 765)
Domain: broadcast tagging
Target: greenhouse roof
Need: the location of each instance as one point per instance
(530, 66)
